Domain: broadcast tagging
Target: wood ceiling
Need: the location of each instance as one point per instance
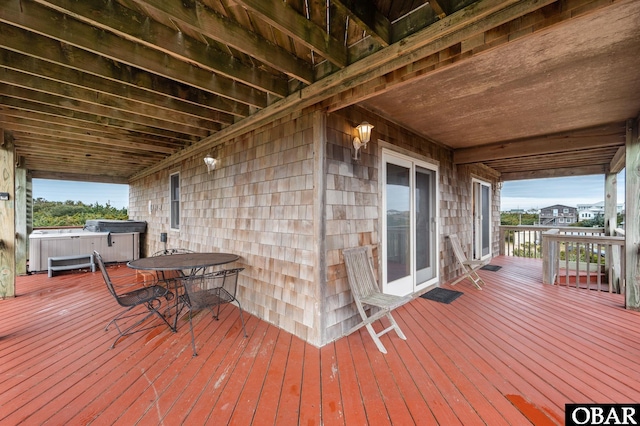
(103, 90)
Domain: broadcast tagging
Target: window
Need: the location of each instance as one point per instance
(565, 210)
(555, 212)
(175, 201)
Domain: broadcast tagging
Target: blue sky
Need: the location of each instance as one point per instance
(523, 194)
(89, 193)
(569, 191)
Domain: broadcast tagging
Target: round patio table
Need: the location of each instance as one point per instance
(191, 262)
(182, 262)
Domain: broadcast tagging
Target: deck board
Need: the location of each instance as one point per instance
(512, 354)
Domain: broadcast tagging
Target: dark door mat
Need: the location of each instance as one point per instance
(491, 268)
(442, 295)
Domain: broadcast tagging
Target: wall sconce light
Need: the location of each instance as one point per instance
(210, 162)
(364, 135)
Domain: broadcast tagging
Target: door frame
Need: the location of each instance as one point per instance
(403, 159)
(476, 219)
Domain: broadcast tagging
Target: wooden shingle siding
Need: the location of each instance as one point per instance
(257, 204)
(260, 202)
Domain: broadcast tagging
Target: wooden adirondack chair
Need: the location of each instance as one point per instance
(367, 295)
(469, 266)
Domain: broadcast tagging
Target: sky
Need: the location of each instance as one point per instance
(523, 194)
(87, 192)
(568, 191)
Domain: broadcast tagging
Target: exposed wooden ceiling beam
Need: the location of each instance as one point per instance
(53, 133)
(207, 22)
(39, 19)
(290, 22)
(618, 161)
(437, 6)
(126, 23)
(77, 177)
(369, 18)
(82, 95)
(46, 49)
(104, 112)
(124, 138)
(601, 136)
(25, 104)
(81, 150)
(33, 66)
(597, 169)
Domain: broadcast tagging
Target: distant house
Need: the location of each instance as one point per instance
(592, 211)
(558, 215)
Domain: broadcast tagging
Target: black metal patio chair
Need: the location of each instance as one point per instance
(211, 290)
(147, 297)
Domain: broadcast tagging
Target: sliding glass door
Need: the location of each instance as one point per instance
(410, 224)
(481, 219)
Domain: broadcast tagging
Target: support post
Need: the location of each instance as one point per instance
(632, 216)
(7, 217)
(22, 237)
(610, 224)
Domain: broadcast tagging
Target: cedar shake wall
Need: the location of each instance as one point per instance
(259, 204)
(353, 215)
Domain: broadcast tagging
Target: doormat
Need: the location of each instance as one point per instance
(491, 268)
(442, 295)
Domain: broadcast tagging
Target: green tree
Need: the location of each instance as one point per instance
(72, 213)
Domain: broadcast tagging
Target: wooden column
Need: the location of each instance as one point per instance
(7, 218)
(22, 236)
(632, 216)
(610, 223)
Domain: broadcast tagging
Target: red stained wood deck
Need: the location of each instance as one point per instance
(514, 353)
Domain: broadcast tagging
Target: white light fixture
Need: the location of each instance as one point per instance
(364, 135)
(210, 162)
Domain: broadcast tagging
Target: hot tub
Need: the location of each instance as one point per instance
(114, 247)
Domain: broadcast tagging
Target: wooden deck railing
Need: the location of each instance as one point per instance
(581, 257)
(594, 261)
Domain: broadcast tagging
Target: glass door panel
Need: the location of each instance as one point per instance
(398, 238)
(425, 221)
(481, 220)
(486, 218)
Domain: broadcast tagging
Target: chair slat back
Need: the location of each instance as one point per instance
(457, 248)
(212, 289)
(105, 274)
(230, 282)
(362, 279)
(198, 293)
(171, 251)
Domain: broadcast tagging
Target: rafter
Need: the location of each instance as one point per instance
(437, 6)
(46, 49)
(52, 132)
(124, 22)
(368, 17)
(104, 112)
(287, 20)
(37, 18)
(204, 20)
(82, 95)
(25, 104)
(600, 136)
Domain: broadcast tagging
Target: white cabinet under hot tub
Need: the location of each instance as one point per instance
(114, 247)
